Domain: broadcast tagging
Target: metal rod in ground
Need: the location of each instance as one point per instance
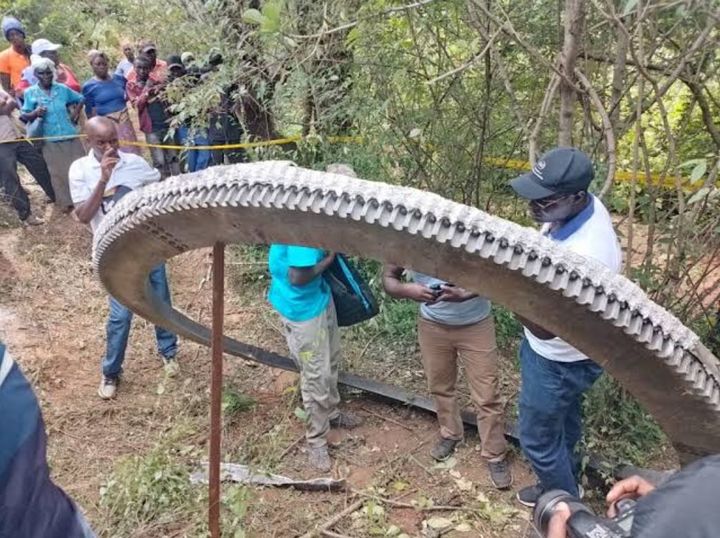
(218, 313)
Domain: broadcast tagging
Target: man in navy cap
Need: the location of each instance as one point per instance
(555, 375)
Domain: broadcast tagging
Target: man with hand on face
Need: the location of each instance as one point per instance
(457, 324)
(554, 374)
(97, 181)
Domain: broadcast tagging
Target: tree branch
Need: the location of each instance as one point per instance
(607, 130)
(544, 108)
(342, 28)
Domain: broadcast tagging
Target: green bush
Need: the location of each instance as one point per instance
(153, 487)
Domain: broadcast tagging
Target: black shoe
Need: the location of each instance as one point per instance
(500, 474)
(444, 449)
(529, 496)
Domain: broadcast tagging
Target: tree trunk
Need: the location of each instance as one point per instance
(574, 20)
(618, 77)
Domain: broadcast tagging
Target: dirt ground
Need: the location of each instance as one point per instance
(52, 314)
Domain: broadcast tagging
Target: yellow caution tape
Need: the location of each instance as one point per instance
(659, 180)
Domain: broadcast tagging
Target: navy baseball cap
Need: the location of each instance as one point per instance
(559, 171)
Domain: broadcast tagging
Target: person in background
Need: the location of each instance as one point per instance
(14, 149)
(457, 325)
(145, 94)
(31, 504)
(50, 101)
(126, 64)
(15, 58)
(555, 375)
(195, 159)
(300, 294)
(105, 96)
(158, 68)
(224, 129)
(97, 181)
(63, 73)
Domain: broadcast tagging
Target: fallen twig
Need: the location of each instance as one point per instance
(388, 419)
(293, 445)
(322, 529)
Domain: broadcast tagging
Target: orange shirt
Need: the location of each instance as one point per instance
(12, 63)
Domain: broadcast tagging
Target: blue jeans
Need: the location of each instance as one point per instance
(197, 159)
(551, 416)
(118, 328)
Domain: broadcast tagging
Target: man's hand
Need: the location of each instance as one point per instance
(418, 292)
(107, 164)
(630, 488)
(557, 527)
(454, 294)
(39, 112)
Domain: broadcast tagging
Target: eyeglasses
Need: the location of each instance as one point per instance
(48, 72)
(544, 203)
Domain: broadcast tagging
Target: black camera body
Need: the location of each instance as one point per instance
(583, 522)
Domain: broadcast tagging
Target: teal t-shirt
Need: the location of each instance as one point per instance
(56, 121)
(296, 303)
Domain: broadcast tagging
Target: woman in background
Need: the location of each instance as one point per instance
(105, 96)
(50, 101)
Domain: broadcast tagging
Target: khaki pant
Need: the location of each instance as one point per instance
(441, 346)
(315, 348)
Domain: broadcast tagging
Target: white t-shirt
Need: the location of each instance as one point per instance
(132, 171)
(591, 234)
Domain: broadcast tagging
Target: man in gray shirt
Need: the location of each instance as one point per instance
(13, 149)
(455, 323)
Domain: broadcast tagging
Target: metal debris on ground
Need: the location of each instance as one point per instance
(242, 474)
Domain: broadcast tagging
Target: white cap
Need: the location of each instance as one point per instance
(43, 45)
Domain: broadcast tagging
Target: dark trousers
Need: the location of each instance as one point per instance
(26, 154)
(551, 416)
(226, 129)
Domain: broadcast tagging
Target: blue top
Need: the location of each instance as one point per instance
(56, 121)
(451, 313)
(296, 303)
(105, 96)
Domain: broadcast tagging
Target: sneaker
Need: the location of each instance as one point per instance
(171, 366)
(33, 220)
(500, 473)
(108, 387)
(529, 496)
(444, 448)
(319, 458)
(345, 420)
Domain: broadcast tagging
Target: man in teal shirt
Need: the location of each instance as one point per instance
(302, 297)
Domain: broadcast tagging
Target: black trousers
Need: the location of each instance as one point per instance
(225, 129)
(26, 154)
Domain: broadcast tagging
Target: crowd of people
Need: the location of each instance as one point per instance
(44, 108)
(455, 326)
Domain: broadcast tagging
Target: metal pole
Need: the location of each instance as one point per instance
(216, 386)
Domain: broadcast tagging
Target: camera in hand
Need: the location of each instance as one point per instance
(583, 522)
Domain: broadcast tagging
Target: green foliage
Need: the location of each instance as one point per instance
(617, 428)
(235, 403)
(508, 330)
(153, 487)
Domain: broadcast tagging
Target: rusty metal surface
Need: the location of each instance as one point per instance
(216, 383)
(661, 362)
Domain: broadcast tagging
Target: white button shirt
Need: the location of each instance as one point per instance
(131, 171)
